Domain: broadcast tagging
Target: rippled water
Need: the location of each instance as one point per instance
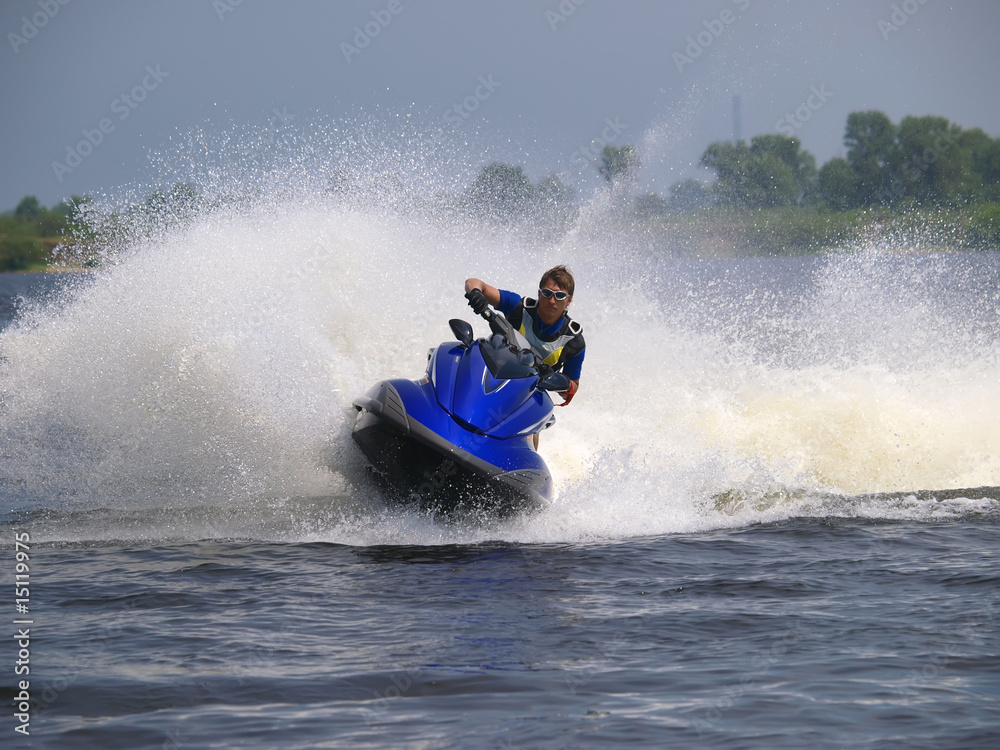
(833, 633)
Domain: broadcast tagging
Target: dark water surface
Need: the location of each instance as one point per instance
(825, 633)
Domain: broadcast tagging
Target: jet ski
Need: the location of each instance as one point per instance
(460, 439)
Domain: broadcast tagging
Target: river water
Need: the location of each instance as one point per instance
(776, 522)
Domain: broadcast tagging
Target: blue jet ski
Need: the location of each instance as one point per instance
(460, 439)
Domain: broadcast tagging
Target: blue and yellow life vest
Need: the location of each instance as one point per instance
(554, 350)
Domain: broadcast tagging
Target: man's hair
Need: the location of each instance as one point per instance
(561, 276)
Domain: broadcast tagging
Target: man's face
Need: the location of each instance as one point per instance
(551, 309)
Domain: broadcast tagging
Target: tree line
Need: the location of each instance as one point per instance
(503, 192)
(771, 193)
(31, 231)
(922, 161)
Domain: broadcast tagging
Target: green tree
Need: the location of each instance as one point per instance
(984, 226)
(618, 164)
(501, 191)
(934, 166)
(51, 223)
(771, 171)
(729, 161)
(769, 182)
(19, 246)
(28, 210)
(870, 138)
(984, 155)
(837, 184)
(790, 153)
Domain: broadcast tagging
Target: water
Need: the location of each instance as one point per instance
(776, 520)
(839, 633)
(16, 288)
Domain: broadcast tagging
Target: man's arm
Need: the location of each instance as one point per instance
(491, 293)
(573, 368)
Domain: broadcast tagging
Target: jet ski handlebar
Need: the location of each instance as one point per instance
(500, 324)
(549, 380)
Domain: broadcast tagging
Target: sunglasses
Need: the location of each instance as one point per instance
(550, 293)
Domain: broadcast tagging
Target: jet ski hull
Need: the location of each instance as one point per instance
(428, 457)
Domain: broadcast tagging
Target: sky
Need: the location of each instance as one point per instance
(90, 88)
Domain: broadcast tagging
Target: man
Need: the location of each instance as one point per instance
(543, 322)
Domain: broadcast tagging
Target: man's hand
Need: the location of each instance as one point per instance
(477, 301)
(574, 386)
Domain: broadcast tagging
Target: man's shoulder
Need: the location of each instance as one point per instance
(509, 301)
(576, 344)
(572, 327)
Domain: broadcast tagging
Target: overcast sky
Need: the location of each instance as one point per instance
(543, 79)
